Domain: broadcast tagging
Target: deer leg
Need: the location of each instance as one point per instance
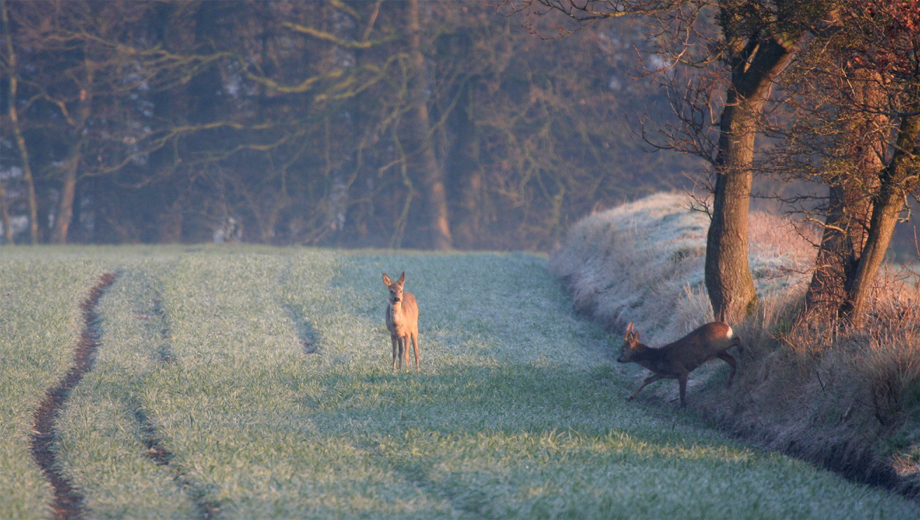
(401, 342)
(404, 351)
(682, 381)
(725, 356)
(737, 343)
(648, 381)
(414, 338)
(395, 341)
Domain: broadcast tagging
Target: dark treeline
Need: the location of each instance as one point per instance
(344, 123)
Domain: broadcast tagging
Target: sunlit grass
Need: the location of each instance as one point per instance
(266, 373)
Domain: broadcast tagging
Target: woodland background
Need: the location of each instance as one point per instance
(320, 123)
(336, 123)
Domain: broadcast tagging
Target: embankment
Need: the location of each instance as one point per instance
(848, 400)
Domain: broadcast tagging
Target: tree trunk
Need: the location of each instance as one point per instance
(898, 178)
(5, 214)
(849, 210)
(64, 213)
(423, 156)
(728, 276)
(468, 228)
(464, 178)
(842, 243)
(17, 131)
(169, 223)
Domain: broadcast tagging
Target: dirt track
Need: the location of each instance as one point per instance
(68, 503)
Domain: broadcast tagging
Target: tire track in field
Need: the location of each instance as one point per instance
(150, 436)
(68, 502)
(309, 339)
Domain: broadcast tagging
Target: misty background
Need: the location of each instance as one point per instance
(347, 124)
(291, 123)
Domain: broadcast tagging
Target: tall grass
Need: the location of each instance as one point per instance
(265, 375)
(847, 397)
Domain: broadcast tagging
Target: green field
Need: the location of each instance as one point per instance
(266, 376)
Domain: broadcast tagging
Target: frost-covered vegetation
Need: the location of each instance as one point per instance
(256, 383)
(848, 398)
(643, 263)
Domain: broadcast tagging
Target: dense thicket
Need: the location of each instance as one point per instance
(351, 123)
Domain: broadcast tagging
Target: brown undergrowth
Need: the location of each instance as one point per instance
(844, 397)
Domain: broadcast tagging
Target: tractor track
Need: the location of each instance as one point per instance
(150, 436)
(68, 502)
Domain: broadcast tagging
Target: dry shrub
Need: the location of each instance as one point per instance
(843, 395)
(886, 351)
(891, 369)
(879, 353)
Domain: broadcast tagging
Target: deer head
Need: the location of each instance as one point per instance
(395, 288)
(630, 345)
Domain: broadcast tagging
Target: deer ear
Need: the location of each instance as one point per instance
(402, 279)
(631, 335)
(386, 280)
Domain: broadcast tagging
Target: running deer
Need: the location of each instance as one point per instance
(676, 360)
(402, 321)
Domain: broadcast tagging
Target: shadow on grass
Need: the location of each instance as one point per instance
(508, 399)
(483, 437)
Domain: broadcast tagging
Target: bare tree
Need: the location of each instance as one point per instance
(751, 43)
(854, 127)
(888, 44)
(90, 64)
(317, 123)
(423, 153)
(10, 64)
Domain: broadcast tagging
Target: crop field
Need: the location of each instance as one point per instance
(245, 382)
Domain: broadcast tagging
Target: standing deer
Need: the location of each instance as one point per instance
(676, 360)
(402, 321)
